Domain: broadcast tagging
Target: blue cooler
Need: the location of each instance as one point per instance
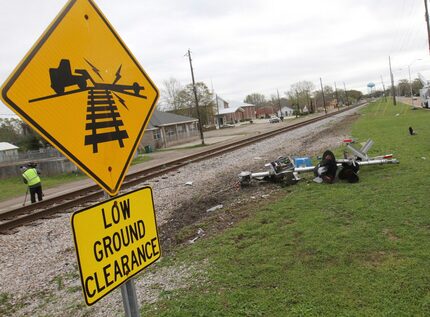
(302, 162)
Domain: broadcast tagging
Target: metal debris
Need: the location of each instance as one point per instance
(215, 208)
(286, 169)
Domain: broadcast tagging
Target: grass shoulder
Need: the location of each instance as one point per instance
(14, 186)
(324, 250)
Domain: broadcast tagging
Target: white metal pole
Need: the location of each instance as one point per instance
(129, 299)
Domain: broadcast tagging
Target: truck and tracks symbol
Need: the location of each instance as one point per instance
(103, 119)
(83, 90)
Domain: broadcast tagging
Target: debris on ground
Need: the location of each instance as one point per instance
(200, 233)
(215, 208)
(286, 169)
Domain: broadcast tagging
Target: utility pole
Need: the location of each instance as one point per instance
(410, 85)
(346, 94)
(427, 22)
(279, 102)
(309, 103)
(410, 80)
(197, 100)
(383, 87)
(217, 108)
(393, 91)
(322, 91)
(298, 105)
(337, 96)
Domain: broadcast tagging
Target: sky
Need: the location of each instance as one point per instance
(240, 47)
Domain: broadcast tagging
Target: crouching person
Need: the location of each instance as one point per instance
(325, 171)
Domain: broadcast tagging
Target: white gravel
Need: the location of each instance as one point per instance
(39, 274)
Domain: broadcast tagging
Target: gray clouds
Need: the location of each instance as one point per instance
(242, 47)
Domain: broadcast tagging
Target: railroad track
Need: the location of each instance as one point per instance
(48, 207)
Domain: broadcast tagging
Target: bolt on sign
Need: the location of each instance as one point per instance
(115, 240)
(83, 90)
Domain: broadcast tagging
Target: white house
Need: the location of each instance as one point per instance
(285, 112)
(8, 152)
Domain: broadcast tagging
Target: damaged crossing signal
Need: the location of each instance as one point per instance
(85, 93)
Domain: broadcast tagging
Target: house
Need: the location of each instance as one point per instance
(8, 152)
(248, 110)
(285, 112)
(265, 112)
(233, 112)
(168, 129)
(230, 115)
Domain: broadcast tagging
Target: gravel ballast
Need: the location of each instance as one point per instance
(39, 274)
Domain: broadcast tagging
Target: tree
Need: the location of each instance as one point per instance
(355, 95)
(299, 95)
(169, 94)
(30, 140)
(256, 99)
(329, 97)
(187, 102)
(21, 134)
(416, 86)
(10, 130)
(403, 88)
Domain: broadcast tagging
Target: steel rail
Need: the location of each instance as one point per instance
(46, 208)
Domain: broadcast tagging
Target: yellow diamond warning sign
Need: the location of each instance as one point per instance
(115, 240)
(82, 89)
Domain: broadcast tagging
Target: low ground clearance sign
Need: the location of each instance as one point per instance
(115, 240)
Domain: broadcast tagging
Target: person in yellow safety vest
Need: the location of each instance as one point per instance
(31, 177)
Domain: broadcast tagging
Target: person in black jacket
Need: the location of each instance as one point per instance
(325, 171)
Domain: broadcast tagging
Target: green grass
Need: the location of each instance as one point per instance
(182, 148)
(15, 187)
(140, 159)
(326, 250)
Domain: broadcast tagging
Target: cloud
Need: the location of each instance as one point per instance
(240, 47)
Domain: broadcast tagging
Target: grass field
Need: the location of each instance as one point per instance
(15, 187)
(325, 250)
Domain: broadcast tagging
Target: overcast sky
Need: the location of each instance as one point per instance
(241, 47)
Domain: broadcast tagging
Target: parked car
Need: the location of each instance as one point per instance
(274, 119)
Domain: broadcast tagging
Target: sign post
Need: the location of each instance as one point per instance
(129, 299)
